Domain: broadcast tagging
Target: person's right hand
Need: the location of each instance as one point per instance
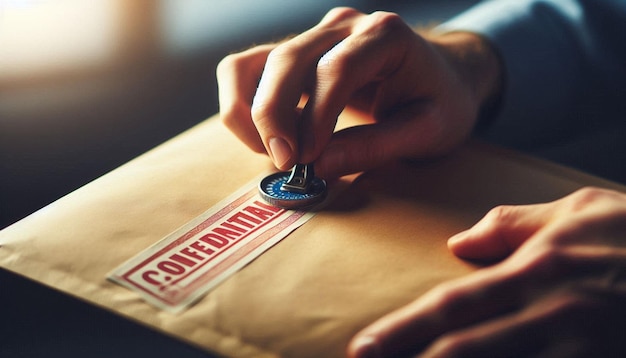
(558, 288)
(424, 95)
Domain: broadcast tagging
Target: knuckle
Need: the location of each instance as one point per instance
(593, 207)
(449, 299)
(224, 68)
(229, 64)
(338, 15)
(451, 345)
(281, 53)
(230, 115)
(569, 305)
(287, 54)
(263, 112)
(583, 197)
(385, 19)
(266, 120)
(226, 62)
(382, 22)
(333, 64)
(545, 262)
(261, 115)
(501, 214)
(574, 303)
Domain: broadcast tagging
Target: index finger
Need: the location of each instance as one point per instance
(237, 78)
(289, 69)
(501, 231)
(456, 304)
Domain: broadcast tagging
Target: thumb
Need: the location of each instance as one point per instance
(353, 150)
(500, 232)
(367, 146)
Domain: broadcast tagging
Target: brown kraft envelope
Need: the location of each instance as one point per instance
(380, 244)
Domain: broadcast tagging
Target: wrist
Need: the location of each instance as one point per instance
(478, 66)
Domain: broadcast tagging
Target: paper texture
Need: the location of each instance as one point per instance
(377, 246)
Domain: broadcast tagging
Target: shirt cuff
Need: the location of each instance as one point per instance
(542, 63)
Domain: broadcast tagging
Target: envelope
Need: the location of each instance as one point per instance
(378, 245)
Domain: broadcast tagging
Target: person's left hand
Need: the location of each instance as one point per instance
(560, 290)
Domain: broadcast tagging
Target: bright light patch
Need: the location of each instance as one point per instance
(40, 36)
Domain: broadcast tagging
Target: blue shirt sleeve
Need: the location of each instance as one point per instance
(565, 67)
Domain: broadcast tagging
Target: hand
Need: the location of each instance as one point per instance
(560, 290)
(423, 95)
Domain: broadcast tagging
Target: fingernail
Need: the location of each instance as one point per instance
(366, 347)
(280, 151)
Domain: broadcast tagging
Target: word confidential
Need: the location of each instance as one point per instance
(185, 265)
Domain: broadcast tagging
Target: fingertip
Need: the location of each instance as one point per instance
(457, 241)
(281, 153)
(473, 246)
(460, 245)
(364, 346)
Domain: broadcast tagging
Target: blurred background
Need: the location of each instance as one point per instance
(86, 86)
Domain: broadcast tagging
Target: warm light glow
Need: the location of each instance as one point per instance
(40, 36)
